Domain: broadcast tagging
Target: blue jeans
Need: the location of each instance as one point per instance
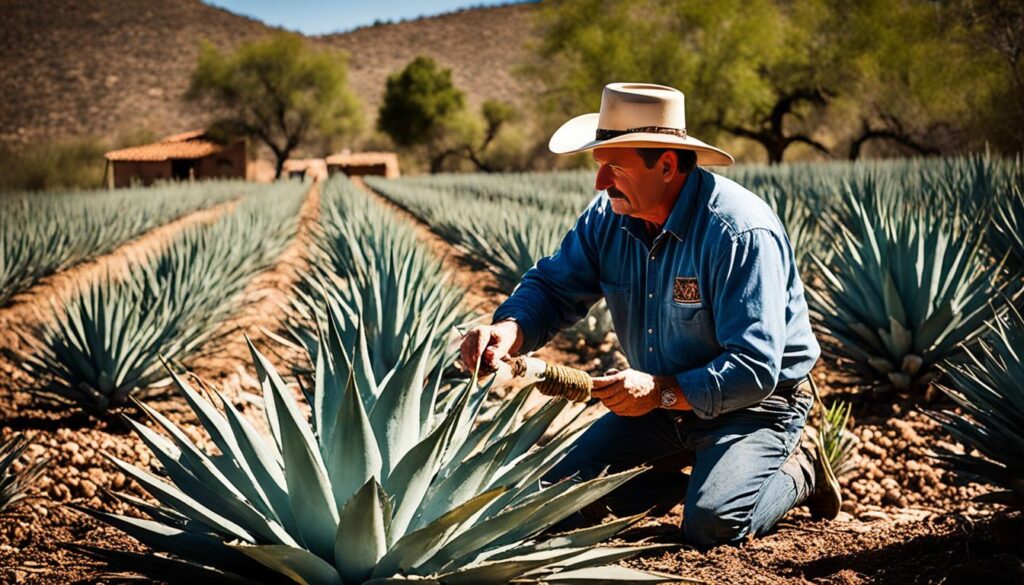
(748, 467)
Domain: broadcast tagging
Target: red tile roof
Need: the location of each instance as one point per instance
(187, 145)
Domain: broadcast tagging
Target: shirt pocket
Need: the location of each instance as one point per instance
(688, 339)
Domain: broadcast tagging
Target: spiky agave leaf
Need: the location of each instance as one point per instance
(16, 476)
(593, 329)
(802, 226)
(1006, 236)
(358, 516)
(902, 294)
(989, 388)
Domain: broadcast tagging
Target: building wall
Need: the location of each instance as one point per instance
(144, 172)
(228, 163)
(381, 170)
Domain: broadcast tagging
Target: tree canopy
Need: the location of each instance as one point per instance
(279, 91)
(422, 108)
(833, 76)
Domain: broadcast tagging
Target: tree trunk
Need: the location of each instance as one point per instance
(770, 132)
(279, 167)
(437, 160)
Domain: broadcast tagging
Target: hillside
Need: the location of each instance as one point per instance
(480, 45)
(107, 67)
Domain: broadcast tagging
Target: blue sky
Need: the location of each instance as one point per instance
(314, 18)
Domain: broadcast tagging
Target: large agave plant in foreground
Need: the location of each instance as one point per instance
(989, 387)
(378, 487)
(901, 293)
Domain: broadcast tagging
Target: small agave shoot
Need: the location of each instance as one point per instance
(378, 487)
(16, 476)
(836, 441)
(989, 388)
(903, 291)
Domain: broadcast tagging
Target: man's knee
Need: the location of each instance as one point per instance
(707, 523)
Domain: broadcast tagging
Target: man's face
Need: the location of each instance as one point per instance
(633, 189)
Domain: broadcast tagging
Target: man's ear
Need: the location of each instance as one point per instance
(669, 165)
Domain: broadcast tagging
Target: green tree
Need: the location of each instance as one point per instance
(423, 108)
(496, 115)
(724, 56)
(826, 74)
(912, 78)
(278, 91)
(995, 28)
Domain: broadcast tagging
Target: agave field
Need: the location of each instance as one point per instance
(346, 448)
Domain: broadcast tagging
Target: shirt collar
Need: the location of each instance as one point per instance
(679, 217)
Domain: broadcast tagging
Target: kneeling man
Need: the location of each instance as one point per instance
(708, 305)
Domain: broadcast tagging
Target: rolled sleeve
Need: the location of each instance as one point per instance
(750, 279)
(559, 289)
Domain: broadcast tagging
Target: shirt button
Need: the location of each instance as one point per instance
(650, 349)
(650, 330)
(652, 257)
(650, 295)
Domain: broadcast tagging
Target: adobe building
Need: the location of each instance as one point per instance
(187, 156)
(301, 168)
(357, 164)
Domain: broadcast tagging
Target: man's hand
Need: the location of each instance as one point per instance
(635, 393)
(495, 342)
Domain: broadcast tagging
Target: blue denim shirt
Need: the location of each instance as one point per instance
(716, 299)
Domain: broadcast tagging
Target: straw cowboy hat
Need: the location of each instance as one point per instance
(635, 115)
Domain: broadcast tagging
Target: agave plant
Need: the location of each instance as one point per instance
(371, 266)
(107, 340)
(46, 232)
(1006, 236)
(507, 232)
(514, 243)
(593, 329)
(801, 224)
(901, 294)
(14, 481)
(989, 388)
(377, 486)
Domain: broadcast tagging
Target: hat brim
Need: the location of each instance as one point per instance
(577, 135)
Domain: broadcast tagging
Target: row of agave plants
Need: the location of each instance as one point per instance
(393, 476)
(42, 233)
(108, 339)
(369, 264)
(486, 217)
